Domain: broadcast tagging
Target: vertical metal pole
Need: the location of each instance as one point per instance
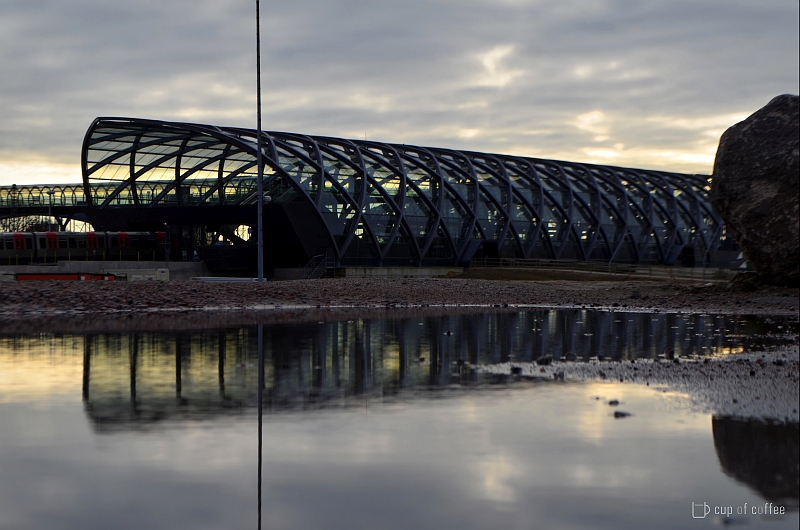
(178, 348)
(133, 354)
(87, 364)
(222, 343)
(260, 410)
(258, 143)
(260, 250)
(50, 192)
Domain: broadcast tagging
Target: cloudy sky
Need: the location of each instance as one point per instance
(647, 84)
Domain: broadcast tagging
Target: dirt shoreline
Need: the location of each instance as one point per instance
(23, 300)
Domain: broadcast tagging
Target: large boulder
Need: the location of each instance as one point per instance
(755, 188)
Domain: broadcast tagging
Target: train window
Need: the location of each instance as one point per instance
(113, 242)
(42, 242)
(62, 243)
(81, 242)
(9, 244)
(29, 243)
(101, 242)
(73, 242)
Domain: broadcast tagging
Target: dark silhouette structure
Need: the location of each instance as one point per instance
(365, 203)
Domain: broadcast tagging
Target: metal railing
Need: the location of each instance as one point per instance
(316, 267)
(631, 270)
(39, 195)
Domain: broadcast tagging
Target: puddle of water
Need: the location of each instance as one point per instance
(379, 424)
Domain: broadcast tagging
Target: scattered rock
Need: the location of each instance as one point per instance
(619, 414)
(721, 387)
(544, 360)
(613, 402)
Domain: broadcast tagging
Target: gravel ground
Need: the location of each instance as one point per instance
(748, 385)
(19, 300)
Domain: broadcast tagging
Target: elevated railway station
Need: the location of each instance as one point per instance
(372, 204)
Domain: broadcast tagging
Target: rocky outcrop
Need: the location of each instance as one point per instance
(755, 188)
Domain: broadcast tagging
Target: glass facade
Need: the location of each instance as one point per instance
(389, 204)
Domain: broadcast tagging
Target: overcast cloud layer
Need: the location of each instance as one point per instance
(632, 83)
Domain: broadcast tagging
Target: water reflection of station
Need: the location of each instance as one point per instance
(139, 378)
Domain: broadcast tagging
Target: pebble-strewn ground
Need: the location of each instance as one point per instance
(24, 299)
(764, 384)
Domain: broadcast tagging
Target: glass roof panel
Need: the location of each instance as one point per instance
(379, 214)
(117, 170)
(386, 176)
(491, 220)
(419, 216)
(337, 211)
(455, 217)
(300, 170)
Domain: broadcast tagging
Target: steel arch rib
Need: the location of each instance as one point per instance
(424, 198)
(612, 246)
(398, 208)
(566, 215)
(506, 210)
(663, 217)
(533, 178)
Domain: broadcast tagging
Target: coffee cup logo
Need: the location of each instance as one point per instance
(699, 511)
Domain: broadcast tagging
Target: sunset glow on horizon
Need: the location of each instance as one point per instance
(650, 85)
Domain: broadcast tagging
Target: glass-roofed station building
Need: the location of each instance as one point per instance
(365, 203)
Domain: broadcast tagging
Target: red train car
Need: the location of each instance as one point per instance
(19, 248)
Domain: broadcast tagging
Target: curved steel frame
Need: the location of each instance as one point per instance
(388, 204)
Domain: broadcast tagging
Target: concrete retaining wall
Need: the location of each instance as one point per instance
(401, 272)
(178, 270)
